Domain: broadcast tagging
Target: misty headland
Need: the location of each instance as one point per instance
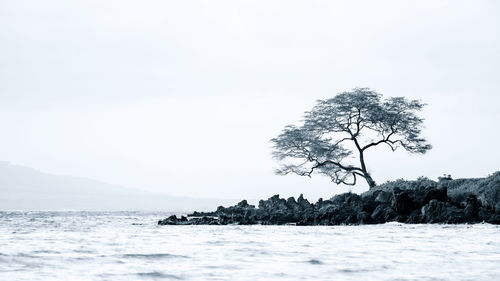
(27, 189)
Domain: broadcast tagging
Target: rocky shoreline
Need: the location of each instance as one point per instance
(425, 202)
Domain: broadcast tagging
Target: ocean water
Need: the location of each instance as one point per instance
(130, 246)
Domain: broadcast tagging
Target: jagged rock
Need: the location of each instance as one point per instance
(483, 214)
(383, 213)
(204, 214)
(304, 203)
(494, 219)
(424, 204)
(344, 208)
(205, 220)
(368, 202)
(403, 203)
(347, 199)
(415, 217)
(170, 220)
(470, 213)
(294, 208)
(363, 218)
(173, 220)
(441, 212)
(472, 200)
(439, 194)
(243, 204)
(383, 197)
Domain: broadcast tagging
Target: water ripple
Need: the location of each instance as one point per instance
(42, 246)
(153, 256)
(158, 275)
(314, 261)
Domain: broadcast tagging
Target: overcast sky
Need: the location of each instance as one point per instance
(182, 97)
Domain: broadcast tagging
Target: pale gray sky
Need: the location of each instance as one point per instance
(182, 97)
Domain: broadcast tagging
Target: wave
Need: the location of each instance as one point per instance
(157, 274)
(153, 256)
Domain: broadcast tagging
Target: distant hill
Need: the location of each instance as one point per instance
(23, 188)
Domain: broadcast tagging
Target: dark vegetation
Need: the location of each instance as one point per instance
(420, 201)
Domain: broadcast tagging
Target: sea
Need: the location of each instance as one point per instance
(131, 246)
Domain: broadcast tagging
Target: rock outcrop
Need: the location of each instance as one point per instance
(429, 204)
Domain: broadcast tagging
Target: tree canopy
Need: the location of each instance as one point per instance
(342, 128)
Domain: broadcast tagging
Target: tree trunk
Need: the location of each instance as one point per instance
(369, 180)
(366, 175)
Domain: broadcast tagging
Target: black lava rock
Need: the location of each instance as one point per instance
(419, 205)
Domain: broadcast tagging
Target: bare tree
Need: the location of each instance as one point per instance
(338, 130)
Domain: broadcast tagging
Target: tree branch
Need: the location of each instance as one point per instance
(383, 140)
(340, 180)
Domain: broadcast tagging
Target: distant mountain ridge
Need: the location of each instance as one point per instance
(23, 188)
